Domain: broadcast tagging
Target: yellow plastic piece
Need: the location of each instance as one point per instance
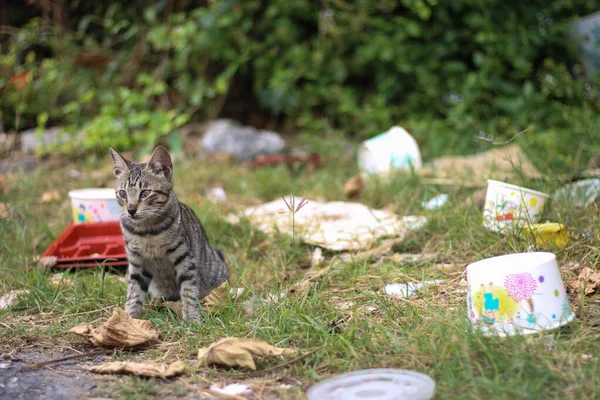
(553, 233)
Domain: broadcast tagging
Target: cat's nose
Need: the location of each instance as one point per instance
(131, 209)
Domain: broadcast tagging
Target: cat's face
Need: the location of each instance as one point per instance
(143, 189)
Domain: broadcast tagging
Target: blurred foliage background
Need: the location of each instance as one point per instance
(128, 73)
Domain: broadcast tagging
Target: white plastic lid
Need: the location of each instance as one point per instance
(93, 194)
(375, 384)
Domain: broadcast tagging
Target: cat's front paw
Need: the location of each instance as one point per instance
(134, 311)
(192, 315)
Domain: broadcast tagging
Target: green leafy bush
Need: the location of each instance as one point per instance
(358, 66)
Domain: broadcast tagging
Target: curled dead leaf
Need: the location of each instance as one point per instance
(5, 210)
(146, 369)
(83, 329)
(50, 197)
(588, 280)
(215, 299)
(120, 331)
(354, 187)
(175, 306)
(310, 276)
(239, 352)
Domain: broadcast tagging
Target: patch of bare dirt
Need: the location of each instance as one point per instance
(60, 381)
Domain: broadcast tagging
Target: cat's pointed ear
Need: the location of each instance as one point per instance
(160, 162)
(121, 165)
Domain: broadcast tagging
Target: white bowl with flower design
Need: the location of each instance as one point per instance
(509, 206)
(519, 293)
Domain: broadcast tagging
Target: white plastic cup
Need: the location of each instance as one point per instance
(394, 149)
(509, 206)
(517, 293)
(94, 205)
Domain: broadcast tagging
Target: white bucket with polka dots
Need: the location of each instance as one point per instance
(509, 207)
(94, 205)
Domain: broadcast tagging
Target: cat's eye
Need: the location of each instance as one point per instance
(144, 194)
(122, 194)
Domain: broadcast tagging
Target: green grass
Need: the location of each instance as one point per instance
(344, 310)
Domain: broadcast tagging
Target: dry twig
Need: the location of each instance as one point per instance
(57, 360)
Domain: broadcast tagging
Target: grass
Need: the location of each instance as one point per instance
(344, 309)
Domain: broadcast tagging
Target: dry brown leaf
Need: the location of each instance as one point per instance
(214, 299)
(587, 280)
(82, 329)
(120, 331)
(50, 197)
(151, 370)
(5, 210)
(175, 306)
(239, 352)
(354, 187)
(500, 162)
(310, 276)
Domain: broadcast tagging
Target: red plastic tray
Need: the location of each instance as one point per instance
(89, 244)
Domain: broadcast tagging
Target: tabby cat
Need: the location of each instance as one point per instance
(168, 251)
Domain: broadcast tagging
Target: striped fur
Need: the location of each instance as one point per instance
(169, 253)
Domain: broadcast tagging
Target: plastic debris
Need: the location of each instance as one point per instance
(508, 206)
(216, 194)
(317, 257)
(88, 245)
(583, 32)
(534, 294)
(394, 149)
(436, 202)
(30, 139)
(244, 142)
(11, 297)
(334, 225)
(578, 194)
(233, 389)
(548, 234)
(409, 289)
(382, 383)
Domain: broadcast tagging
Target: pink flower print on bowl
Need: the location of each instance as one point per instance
(521, 287)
